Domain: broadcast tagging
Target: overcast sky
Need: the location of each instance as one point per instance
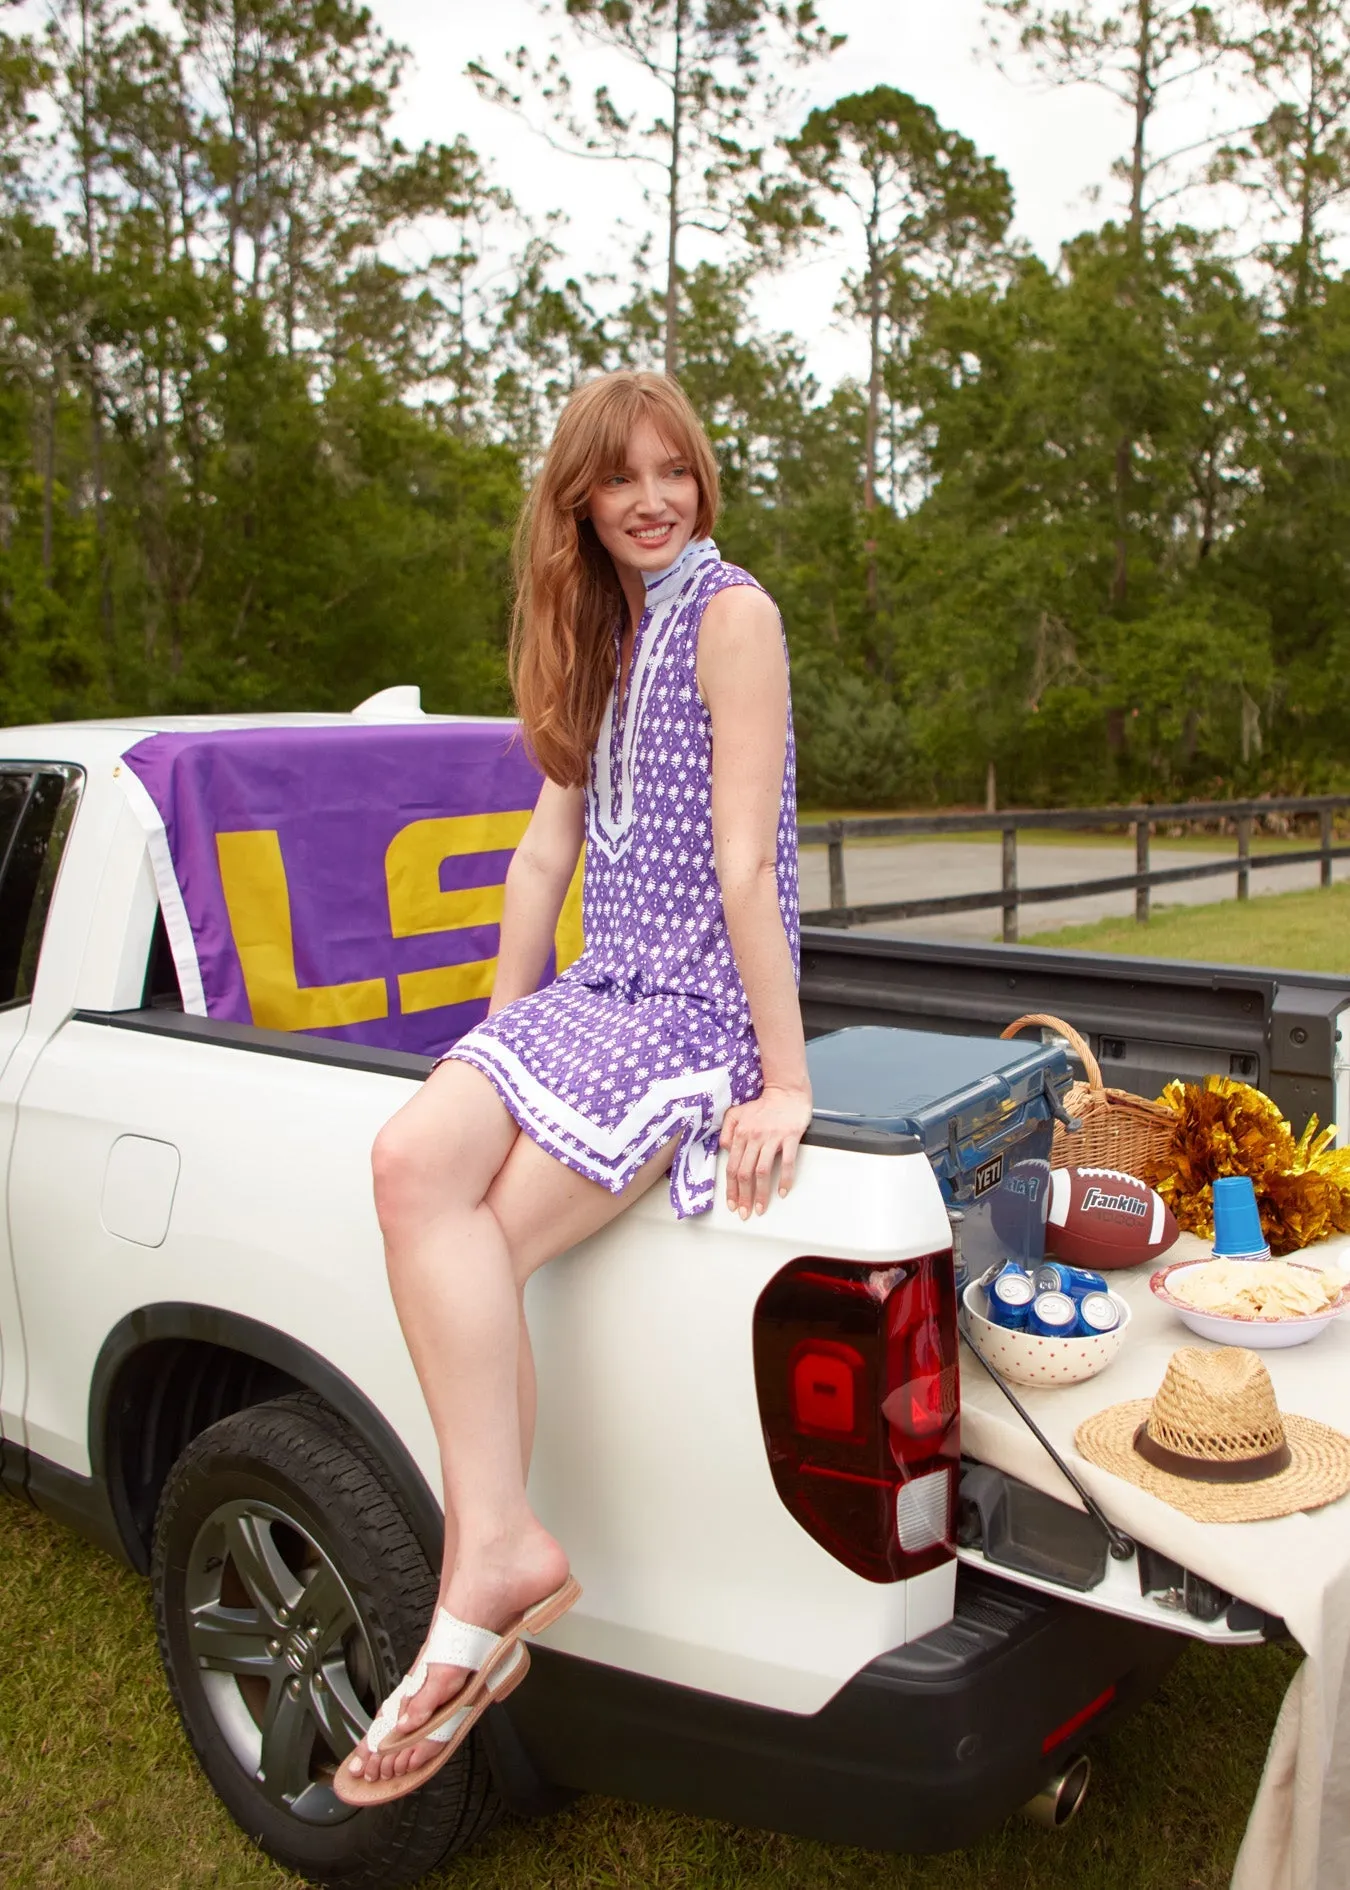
(1056, 144)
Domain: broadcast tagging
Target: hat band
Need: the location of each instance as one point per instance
(1199, 1470)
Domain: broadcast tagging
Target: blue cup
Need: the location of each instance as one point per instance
(1237, 1220)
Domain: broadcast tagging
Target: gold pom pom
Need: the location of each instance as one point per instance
(1224, 1127)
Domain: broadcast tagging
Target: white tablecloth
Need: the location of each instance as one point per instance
(1298, 1835)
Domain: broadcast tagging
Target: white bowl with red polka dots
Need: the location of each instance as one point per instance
(1027, 1359)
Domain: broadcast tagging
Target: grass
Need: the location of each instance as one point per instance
(98, 1790)
(1296, 931)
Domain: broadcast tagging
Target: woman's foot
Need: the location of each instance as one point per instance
(499, 1585)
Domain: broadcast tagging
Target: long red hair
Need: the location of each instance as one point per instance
(568, 597)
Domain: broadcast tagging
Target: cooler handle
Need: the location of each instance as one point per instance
(1079, 1045)
(1072, 1124)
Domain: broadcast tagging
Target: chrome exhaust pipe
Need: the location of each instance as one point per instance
(1059, 1798)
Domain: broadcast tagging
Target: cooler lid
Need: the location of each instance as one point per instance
(914, 1081)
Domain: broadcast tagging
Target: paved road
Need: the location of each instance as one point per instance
(928, 869)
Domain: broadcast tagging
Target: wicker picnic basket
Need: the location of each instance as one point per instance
(1119, 1130)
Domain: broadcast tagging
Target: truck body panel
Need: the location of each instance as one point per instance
(189, 1190)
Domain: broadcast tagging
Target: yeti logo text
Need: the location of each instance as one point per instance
(1115, 1203)
(988, 1175)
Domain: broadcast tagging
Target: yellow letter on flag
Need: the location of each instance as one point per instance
(417, 906)
(253, 877)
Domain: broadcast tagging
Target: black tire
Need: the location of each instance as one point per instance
(286, 1492)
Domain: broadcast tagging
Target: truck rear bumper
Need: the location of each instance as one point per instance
(924, 1750)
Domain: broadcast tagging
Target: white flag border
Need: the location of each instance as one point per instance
(176, 923)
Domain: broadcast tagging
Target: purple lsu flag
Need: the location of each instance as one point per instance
(343, 879)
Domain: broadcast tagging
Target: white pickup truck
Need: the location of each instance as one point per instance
(782, 1624)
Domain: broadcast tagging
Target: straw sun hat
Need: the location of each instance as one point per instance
(1214, 1444)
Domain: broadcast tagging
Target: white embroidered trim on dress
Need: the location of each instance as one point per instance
(667, 594)
(697, 1101)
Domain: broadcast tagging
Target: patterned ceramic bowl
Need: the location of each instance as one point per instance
(1261, 1335)
(1024, 1358)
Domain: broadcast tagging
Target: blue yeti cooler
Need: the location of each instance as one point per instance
(983, 1110)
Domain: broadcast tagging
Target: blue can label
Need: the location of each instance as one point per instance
(1053, 1316)
(1055, 1277)
(1098, 1312)
(1010, 1298)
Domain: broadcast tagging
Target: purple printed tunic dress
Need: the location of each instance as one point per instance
(648, 1034)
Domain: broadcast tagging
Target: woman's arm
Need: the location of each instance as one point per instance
(536, 884)
(742, 675)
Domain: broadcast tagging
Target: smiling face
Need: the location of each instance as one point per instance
(644, 511)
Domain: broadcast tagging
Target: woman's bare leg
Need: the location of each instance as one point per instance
(527, 1393)
(455, 1293)
(453, 1175)
(543, 1208)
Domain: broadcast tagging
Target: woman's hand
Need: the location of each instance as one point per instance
(757, 1134)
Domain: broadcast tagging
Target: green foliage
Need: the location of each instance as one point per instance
(1088, 525)
(1016, 633)
(215, 487)
(928, 207)
(853, 739)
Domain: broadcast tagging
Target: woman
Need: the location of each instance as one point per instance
(651, 680)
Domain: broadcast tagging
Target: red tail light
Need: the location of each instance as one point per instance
(827, 1379)
(856, 1372)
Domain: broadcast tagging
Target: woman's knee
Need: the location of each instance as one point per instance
(430, 1158)
(400, 1164)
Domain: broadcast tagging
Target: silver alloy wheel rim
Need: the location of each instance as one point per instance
(285, 1662)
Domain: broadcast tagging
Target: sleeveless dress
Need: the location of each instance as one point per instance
(648, 1034)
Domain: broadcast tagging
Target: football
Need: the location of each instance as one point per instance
(1105, 1220)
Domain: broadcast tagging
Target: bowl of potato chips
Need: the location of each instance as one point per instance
(1265, 1304)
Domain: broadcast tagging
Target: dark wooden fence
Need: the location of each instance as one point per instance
(1010, 896)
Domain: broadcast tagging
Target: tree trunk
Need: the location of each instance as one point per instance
(232, 213)
(672, 352)
(873, 393)
(6, 537)
(1121, 501)
(1209, 503)
(461, 350)
(95, 375)
(96, 473)
(1143, 107)
(1306, 215)
(49, 479)
(991, 789)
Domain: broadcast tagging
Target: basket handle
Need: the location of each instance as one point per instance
(1078, 1044)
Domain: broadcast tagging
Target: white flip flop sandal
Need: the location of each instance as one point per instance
(452, 1643)
(495, 1649)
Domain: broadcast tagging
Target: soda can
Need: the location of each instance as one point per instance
(1097, 1313)
(1053, 1316)
(1056, 1277)
(1010, 1298)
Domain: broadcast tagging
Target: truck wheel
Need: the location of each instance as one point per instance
(290, 1596)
